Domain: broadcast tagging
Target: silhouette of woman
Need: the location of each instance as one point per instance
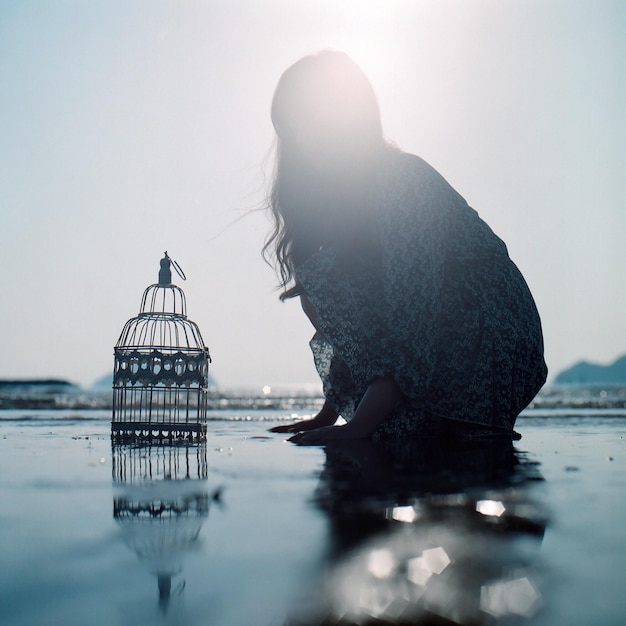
(424, 324)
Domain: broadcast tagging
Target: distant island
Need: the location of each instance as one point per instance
(42, 393)
(594, 374)
(44, 385)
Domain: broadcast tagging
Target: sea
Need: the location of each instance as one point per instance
(250, 529)
(33, 401)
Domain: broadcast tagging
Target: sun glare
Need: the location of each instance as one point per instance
(395, 54)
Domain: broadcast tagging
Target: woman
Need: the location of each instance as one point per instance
(424, 324)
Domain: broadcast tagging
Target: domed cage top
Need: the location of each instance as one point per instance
(161, 369)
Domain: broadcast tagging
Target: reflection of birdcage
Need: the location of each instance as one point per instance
(161, 368)
(160, 503)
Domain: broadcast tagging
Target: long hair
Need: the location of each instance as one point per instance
(328, 148)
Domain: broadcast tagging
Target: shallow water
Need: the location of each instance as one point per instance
(252, 530)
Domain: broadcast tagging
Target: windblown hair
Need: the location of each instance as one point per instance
(328, 148)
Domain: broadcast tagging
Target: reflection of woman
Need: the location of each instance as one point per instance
(423, 532)
(422, 319)
(363, 480)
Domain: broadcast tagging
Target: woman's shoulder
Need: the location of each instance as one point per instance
(408, 178)
(417, 196)
(409, 170)
(400, 158)
(398, 161)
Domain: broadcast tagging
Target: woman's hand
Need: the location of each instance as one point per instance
(379, 400)
(326, 417)
(296, 427)
(326, 435)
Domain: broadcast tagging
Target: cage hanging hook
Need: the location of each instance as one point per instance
(177, 267)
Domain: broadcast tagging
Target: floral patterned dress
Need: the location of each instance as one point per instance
(441, 309)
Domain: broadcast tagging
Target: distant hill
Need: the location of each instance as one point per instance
(103, 383)
(592, 373)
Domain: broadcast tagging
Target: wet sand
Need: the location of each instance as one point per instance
(252, 530)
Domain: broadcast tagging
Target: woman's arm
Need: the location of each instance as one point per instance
(309, 310)
(377, 403)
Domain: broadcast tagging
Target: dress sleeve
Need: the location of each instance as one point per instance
(332, 294)
(414, 231)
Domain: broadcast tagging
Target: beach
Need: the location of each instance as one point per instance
(250, 529)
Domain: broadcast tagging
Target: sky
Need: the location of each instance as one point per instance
(131, 127)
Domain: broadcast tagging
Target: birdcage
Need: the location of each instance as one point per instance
(160, 375)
